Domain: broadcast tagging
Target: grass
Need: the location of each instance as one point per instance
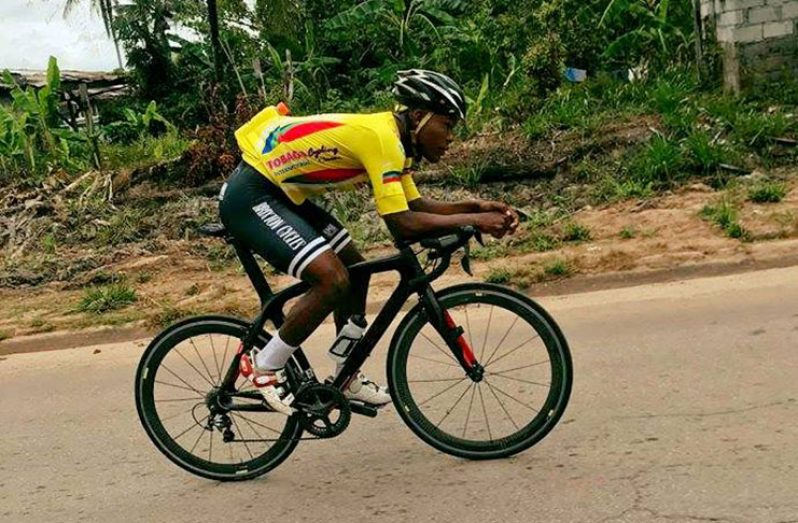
(168, 315)
(468, 176)
(627, 233)
(724, 214)
(99, 300)
(575, 232)
(143, 152)
(767, 192)
(498, 275)
(558, 268)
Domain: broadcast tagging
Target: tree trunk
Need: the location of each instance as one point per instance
(213, 20)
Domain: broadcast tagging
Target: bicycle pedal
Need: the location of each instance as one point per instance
(358, 407)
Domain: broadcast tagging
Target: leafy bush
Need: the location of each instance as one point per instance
(32, 141)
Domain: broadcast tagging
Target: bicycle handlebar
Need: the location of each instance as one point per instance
(443, 247)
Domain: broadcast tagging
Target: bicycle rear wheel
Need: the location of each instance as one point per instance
(526, 384)
(176, 374)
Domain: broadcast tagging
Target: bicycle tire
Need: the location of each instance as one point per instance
(535, 316)
(146, 375)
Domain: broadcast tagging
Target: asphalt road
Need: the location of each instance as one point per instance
(684, 408)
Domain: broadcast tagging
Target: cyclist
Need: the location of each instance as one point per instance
(286, 159)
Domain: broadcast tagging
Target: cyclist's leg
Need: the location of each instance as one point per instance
(358, 287)
(341, 244)
(258, 214)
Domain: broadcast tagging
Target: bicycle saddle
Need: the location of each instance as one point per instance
(217, 230)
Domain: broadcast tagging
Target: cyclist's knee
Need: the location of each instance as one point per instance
(328, 276)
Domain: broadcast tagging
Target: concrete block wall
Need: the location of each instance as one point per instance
(759, 39)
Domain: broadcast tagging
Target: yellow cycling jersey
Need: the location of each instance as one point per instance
(313, 154)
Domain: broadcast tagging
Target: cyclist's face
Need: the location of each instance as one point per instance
(436, 136)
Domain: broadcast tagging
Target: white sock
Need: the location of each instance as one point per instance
(274, 355)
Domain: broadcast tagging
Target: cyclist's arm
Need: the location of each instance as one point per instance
(429, 205)
(411, 225)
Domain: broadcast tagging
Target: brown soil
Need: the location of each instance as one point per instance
(665, 232)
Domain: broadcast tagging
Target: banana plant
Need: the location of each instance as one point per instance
(655, 31)
(403, 17)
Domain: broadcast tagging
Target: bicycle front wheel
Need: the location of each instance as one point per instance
(180, 370)
(526, 384)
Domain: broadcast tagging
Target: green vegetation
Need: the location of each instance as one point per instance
(767, 192)
(498, 275)
(557, 267)
(627, 233)
(724, 214)
(99, 300)
(575, 232)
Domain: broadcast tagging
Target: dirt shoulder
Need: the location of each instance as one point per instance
(628, 243)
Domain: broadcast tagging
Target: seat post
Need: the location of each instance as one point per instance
(256, 277)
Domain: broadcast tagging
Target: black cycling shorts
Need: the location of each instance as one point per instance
(288, 236)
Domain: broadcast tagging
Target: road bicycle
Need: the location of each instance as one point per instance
(461, 387)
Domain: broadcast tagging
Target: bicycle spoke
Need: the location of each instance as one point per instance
(175, 399)
(502, 406)
(447, 354)
(260, 425)
(173, 416)
(513, 350)
(258, 434)
(487, 330)
(455, 404)
(215, 360)
(184, 382)
(434, 360)
(509, 396)
(547, 385)
(224, 356)
(485, 412)
(193, 424)
(201, 360)
(193, 367)
(233, 417)
(441, 392)
(434, 381)
(470, 405)
(468, 324)
(503, 338)
(519, 368)
(201, 395)
(196, 442)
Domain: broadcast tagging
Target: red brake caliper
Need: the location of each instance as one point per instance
(465, 348)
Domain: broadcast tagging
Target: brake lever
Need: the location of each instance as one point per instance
(465, 261)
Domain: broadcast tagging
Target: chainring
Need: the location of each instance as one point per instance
(318, 405)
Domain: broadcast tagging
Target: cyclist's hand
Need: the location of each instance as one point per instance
(493, 223)
(511, 217)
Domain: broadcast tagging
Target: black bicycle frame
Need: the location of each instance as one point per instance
(413, 279)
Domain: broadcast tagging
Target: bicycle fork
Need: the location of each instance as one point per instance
(452, 334)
